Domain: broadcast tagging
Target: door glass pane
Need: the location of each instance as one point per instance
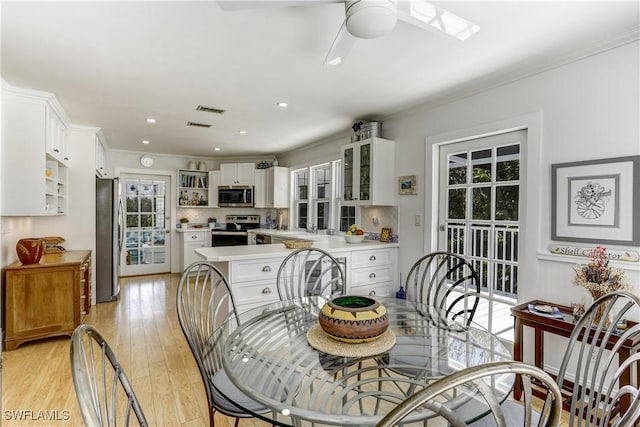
(347, 176)
(457, 169)
(365, 171)
(457, 203)
(508, 163)
(507, 199)
(481, 203)
(481, 162)
(132, 220)
(146, 204)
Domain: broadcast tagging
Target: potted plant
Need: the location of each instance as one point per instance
(183, 222)
(212, 222)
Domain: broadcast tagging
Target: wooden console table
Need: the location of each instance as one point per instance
(46, 299)
(562, 327)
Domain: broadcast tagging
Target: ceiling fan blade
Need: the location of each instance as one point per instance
(341, 46)
(231, 5)
(430, 17)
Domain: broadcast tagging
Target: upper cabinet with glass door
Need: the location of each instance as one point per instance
(368, 176)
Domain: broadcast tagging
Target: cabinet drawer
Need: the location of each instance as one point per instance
(262, 291)
(370, 275)
(259, 269)
(374, 290)
(371, 258)
(194, 237)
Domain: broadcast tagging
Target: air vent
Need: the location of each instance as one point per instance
(210, 109)
(198, 125)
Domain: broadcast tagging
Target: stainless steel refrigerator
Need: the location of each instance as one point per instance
(109, 229)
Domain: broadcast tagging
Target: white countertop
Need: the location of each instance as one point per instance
(331, 244)
(192, 229)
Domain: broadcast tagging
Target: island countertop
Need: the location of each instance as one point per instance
(331, 244)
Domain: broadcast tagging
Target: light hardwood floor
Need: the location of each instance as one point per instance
(143, 329)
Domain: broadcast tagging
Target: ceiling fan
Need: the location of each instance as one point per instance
(370, 19)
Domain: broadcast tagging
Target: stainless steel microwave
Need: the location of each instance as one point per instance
(235, 196)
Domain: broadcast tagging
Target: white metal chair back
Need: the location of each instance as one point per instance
(447, 282)
(310, 272)
(104, 393)
(596, 391)
(447, 396)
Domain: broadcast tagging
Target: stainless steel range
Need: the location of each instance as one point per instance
(235, 231)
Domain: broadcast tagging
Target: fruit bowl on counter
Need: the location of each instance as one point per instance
(354, 234)
(354, 238)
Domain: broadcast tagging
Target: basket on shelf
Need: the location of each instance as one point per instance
(298, 243)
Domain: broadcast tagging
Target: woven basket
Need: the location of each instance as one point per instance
(298, 244)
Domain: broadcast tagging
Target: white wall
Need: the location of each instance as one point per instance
(589, 109)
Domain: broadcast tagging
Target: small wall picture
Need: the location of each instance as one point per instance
(407, 184)
(385, 235)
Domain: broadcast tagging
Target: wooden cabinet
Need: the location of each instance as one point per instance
(193, 188)
(33, 175)
(46, 299)
(253, 281)
(368, 176)
(373, 272)
(190, 241)
(236, 173)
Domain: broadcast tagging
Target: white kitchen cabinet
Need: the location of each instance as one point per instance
(190, 241)
(368, 176)
(272, 187)
(100, 154)
(373, 272)
(253, 281)
(55, 135)
(236, 173)
(34, 181)
(214, 181)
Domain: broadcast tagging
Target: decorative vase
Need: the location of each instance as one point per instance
(30, 250)
(354, 319)
(600, 311)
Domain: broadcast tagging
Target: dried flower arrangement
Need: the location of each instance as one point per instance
(598, 277)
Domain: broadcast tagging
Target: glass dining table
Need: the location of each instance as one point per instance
(266, 353)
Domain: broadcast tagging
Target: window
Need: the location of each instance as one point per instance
(317, 198)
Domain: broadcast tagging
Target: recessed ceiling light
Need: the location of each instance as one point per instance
(217, 149)
(144, 141)
(151, 120)
(242, 132)
(282, 104)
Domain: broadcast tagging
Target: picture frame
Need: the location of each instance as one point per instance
(407, 184)
(596, 201)
(385, 235)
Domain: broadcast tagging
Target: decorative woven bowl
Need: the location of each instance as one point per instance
(354, 319)
(354, 238)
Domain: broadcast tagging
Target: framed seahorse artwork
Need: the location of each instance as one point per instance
(596, 201)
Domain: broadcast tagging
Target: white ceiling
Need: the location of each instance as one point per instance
(113, 64)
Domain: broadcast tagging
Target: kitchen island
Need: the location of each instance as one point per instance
(370, 267)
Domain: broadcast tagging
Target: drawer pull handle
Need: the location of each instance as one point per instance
(266, 291)
(372, 276)
(194, 236)
(372, 258)
(266, 269)
(372, 293)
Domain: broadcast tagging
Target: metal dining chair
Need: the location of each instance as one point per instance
(203, 301)
(104, 393)
(595, 375)
(446, 282)
(474, 386)
(310, 272)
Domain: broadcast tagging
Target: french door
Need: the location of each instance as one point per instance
(479, 211)
(147, 233)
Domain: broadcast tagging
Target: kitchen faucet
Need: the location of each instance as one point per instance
(313, 229)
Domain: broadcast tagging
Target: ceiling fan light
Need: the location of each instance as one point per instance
(369, 19)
